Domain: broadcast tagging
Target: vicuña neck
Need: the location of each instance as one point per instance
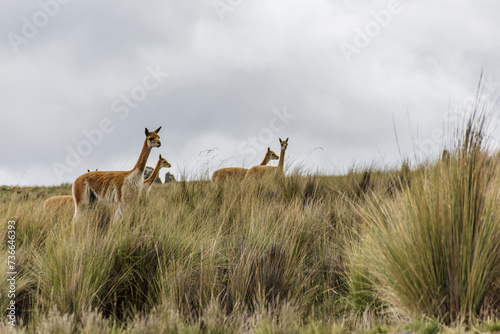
(281, 163)
(155, 173)
(143, 158)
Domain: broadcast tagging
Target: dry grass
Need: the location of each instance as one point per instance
(368, 251)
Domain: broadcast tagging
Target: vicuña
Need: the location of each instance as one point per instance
(262, 170)
(56, 203)
(232, 172)
(120, 187)
(159, 165)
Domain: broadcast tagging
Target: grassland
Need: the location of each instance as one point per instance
(371, 251)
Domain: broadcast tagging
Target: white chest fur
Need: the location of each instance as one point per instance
(134, 181)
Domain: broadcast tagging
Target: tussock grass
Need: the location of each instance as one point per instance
(242, 248)
(435, 249)
(374, 250)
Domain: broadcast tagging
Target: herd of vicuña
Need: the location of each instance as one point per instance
(124, 187)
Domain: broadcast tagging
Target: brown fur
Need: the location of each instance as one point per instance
(229, 172)
(263, 170)
(237, 172)
(58, 203)
(120, 187)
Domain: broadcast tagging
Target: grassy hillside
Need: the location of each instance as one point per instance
(371, 251)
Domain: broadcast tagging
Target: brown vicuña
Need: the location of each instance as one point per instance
(58, 202)
(159, 165)
(262, 170)
(231, 172)
(120, 187)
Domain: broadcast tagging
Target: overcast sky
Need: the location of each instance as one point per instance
(80, 80)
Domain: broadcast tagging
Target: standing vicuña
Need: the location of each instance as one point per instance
(120, 187)
(225, 173)
(149, 181)
(261, 170)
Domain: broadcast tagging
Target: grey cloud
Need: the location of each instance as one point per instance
(226, 77)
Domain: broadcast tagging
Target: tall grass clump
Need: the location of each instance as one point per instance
(434, 250)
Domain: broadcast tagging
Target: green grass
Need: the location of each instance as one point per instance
(372, 251)
(435, 250)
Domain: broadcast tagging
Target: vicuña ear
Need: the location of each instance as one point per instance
(280, 140)
(147, 131)
(160, 157)
(287, 140)
(268, 149)
(158, 130)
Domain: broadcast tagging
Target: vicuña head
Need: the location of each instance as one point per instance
(284, 144)
(271, 156)
(164, 162)
(152, 138)
(262, 170)
(121, 187)
(237, 172)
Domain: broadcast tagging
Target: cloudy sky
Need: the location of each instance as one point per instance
(80, 80)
